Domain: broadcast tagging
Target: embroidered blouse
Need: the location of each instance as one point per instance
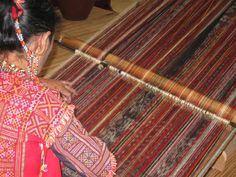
(36, 125)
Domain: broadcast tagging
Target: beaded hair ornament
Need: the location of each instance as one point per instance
(18, 11)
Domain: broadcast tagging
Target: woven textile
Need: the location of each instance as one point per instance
(33, 119)
(140, 127)
(149, 133)
(19, 96)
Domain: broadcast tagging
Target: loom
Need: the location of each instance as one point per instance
(153, 80)
(158, 85)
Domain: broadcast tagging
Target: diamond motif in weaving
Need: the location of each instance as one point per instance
(29, 84)
(47, 115)
(37, 126)
(88, 157)
(16, 103)
(5, 96)
(12, 120)
(68, 140)
(48, 107)
(6, 173)
(19, 102)
(6, 86)
(7, 149)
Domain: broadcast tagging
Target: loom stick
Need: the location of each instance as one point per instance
(154, 79)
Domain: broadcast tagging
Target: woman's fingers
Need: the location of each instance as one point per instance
(68, 86)
(66, 98)
(71, 89)
(67, 91)
(64, 87)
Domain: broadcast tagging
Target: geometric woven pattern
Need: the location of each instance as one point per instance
(30, 110)
(16, 94)
(143, 116)
(87, 157)
(19, 95)
(89, 154)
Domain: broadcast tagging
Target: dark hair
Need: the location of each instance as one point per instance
(38, 17)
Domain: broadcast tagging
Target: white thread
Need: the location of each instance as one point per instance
(155, 89)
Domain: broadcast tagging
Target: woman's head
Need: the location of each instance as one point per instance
(36, 23)
(38, 17)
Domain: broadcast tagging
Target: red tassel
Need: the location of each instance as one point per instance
(14, 13)
(17, 10)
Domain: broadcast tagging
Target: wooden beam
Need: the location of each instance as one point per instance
(215, 107)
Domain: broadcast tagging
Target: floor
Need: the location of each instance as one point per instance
(84, 30)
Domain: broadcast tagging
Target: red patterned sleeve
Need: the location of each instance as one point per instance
(59, 128)
(87, 154)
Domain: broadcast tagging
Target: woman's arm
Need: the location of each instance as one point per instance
(85, 154)
(64, 133)
(64, 87)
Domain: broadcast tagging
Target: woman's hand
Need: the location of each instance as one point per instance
(64, 87)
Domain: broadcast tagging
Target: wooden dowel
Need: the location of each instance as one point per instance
(74, 44)
(154, 79)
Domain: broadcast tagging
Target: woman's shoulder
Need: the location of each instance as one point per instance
(24, 86)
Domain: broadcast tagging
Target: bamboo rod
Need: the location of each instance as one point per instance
(154, 79)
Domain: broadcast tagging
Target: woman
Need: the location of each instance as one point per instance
(37, 127)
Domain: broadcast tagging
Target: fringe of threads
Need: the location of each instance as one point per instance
(113, 166)
(68, 111)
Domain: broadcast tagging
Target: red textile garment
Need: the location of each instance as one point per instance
(34, 119)
(33, 159)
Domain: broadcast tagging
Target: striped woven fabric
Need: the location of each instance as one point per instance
(177, 45)
(190, 42)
